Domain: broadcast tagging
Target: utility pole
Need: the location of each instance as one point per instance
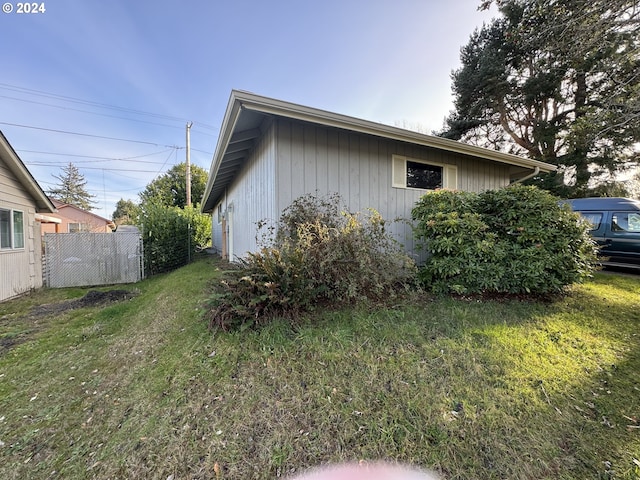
(188, 164)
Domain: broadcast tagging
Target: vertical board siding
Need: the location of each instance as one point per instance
(314, 159)
(216, 232)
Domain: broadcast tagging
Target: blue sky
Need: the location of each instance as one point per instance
(124, 77)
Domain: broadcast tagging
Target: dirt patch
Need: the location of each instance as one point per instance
(16, 329)
(93, 298)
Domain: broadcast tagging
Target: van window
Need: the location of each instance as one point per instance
(625, 222)
(593, 218)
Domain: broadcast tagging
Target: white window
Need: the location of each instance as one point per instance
(11, 229)
(78, 227)
(220, 214)
(418, 174)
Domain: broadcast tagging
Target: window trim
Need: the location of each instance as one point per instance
(588, 216)
(220, 213)
(82, 227)
(615, 222)
(12, 230)
(399, 173)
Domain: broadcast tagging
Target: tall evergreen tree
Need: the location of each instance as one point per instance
(558, 81)
(71, 189)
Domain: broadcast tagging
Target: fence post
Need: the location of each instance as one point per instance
(189, 243)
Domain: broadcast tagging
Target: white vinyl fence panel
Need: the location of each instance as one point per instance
(88, 259)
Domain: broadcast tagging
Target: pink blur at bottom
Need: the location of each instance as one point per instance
(366, 471)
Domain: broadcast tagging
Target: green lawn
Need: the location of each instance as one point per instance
(140, 388)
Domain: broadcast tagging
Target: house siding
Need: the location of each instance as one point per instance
(321, 160)
(20, 269)
(71, 214)
(249, 200)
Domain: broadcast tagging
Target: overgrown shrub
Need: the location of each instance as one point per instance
(514, 240)
(171, 236)
(200, 226)
(319, 253)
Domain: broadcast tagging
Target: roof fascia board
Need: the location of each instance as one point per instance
(22, 173)
(299, 112)
(240, 100)
(226, 131)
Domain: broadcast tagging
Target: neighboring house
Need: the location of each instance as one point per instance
(74, 219)
(23, 205)
(271, 152)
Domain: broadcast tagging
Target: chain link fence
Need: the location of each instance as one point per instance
(168, 250)
(89, 259)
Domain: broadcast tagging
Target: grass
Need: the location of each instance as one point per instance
(473, 390)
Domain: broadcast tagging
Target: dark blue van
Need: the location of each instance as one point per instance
(616, 228)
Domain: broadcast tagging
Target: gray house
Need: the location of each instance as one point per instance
(23, 205)
(271, 152)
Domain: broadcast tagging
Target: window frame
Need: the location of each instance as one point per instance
(589, 216)
(220, 213)
(399, 173)
(82, 227)
(616, 224)
(11, 232)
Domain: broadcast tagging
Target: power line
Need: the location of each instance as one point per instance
(90, 135)
(38, 164)
(97, 113)
(135, 189)
(165, 162)
(66, 98)
(98, 159)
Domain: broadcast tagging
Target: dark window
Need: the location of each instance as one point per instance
(593, 218)
(422, 175)
(625, 222)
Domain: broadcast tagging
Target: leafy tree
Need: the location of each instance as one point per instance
(556, 81)
(71, 189)
(634, 186)
(170, 189)
(126, 212)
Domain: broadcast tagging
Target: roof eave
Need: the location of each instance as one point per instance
(226, 130)
(240, 100)
(18, 168)
(330, 119)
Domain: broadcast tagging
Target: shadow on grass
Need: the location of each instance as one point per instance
(475, 390)
(472, 389)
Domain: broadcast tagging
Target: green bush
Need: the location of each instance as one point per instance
(200, 226)
(172, 235)
(319, 254)
(514, 240)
